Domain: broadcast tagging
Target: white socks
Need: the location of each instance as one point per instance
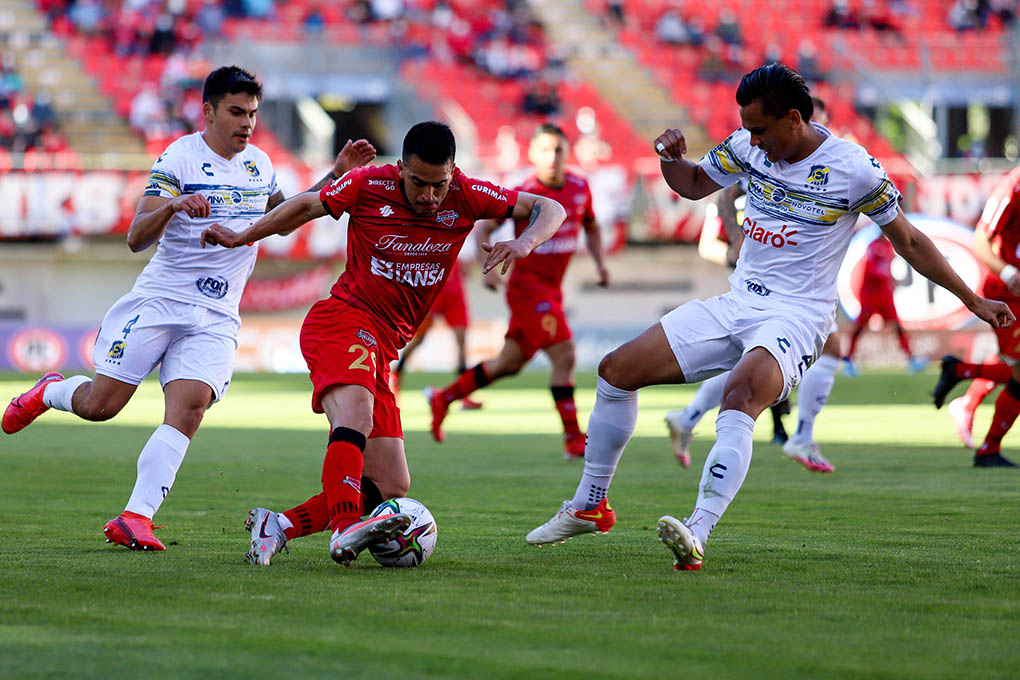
(59, 392)
(727, 463)
(610, 427)
(708, 396)
(157, 468)
(812, 394)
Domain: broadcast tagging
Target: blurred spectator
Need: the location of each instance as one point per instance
(1003, 10)
(163, 38)
(386, 10)
(258, 9)
(87, 16)
(728, 29)
(210, 17)
(541, 98)
(807, 63)
(965, 15)
(671, 28)
(149, 113)
(614, 13)
(841, 16)
(880, 17)
(313, 21)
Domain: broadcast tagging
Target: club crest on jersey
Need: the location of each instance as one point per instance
(252, 169)
(116, 350)
(214, 287)
(447, 217)
(367, 337)
(818, 175)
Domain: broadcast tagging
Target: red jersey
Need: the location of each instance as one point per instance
(397, 260)
(1001, 222)
(547, 263)
(878, 278)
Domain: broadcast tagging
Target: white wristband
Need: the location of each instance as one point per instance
(1008, 272)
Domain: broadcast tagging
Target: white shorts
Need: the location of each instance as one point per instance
(709, 337)
(190, 341)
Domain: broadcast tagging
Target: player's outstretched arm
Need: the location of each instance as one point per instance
(285, 218)
(923, 256)
(683, 176)
(154, 213)
(593, 237)
(546, 216)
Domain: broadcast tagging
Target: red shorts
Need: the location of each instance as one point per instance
(451, 305)
(1009, 337)
(344, 345)
(881, 304)
(536, 318)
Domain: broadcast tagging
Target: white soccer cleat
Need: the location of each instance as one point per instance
(688, 552)
(807, 454)
(570, 522)
(680, 437)
(346, 545)
(963, 418)
(267, 537)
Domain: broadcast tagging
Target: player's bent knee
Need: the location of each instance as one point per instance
(612, 370)
(394, 488)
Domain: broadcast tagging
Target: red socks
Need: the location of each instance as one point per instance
(997, 372)
(1007, 408)
(310, 517)
(341, 476)
(468, 381)
(563, 396)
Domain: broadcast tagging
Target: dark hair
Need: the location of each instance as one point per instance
(229, 80)
(549, 129)
(779, 88)
(431, 141)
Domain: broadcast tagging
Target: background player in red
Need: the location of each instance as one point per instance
(996, 243)
(876, 296)
(408, 223)
(534, 292)
(452, 305)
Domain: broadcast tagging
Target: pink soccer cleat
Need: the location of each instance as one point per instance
(28, 406)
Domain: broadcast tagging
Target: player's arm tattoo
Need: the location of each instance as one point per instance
(728, 212)
(328, 178)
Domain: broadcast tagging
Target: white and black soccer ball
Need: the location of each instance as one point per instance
(415, 544)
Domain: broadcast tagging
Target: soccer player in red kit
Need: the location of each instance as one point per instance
(996, 244)
(408, 223)
(876, 296)
(534, 292)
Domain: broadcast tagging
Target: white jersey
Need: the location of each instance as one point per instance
(238, 191)
(799, 217)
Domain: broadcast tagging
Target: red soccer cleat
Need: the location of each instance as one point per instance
(26, 407)
(573, 445)
(440, 407)
(467, 404)
(133, 531)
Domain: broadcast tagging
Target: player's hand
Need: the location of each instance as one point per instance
(491, 280)
(218, 235)
(353, 155)
(603, 273)
(192, 205)
(996, 314)
(504, 252)
(670, 145)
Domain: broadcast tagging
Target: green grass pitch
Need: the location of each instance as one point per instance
(905, 563)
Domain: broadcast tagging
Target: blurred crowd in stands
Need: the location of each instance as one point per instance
(27, 122)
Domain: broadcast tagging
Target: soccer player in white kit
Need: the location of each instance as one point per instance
(182, 312)
(806, 189)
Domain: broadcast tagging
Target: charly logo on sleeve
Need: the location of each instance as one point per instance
(212, 286)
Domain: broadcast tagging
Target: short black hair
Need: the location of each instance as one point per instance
(549, 129)
(779, 88)
(229, 80)
(431, 141)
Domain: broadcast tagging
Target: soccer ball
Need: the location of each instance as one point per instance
(412, 547)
